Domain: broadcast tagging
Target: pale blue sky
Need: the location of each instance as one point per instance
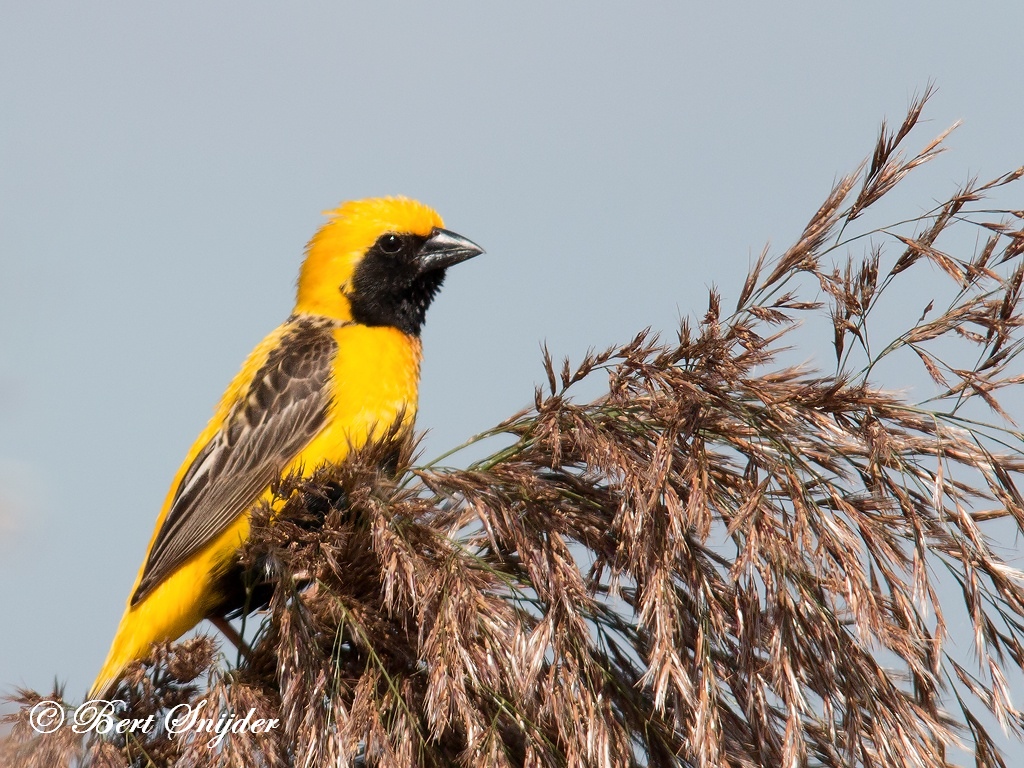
(161, 169)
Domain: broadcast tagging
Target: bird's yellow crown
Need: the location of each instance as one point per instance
(336, 249)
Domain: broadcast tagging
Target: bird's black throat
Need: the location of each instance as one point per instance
(389, 289)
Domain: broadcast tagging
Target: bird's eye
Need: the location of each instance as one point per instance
(390, 243)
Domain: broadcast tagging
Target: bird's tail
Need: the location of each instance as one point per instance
(166, 613)
(128, 646)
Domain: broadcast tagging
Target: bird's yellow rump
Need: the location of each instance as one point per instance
(342, 368)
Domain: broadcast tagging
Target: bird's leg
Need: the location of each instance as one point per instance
(231, 634)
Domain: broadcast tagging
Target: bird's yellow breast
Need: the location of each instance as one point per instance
(374, 381)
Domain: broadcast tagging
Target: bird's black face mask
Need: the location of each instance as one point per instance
(398, 278)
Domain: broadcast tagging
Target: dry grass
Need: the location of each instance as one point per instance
(722, 561)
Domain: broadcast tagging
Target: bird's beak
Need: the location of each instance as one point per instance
(444, 249)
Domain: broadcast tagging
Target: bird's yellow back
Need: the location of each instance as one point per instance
(340, 371)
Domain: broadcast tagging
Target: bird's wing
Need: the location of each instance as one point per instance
(284, 407)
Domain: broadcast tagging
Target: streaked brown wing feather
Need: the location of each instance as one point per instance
(285, 406)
